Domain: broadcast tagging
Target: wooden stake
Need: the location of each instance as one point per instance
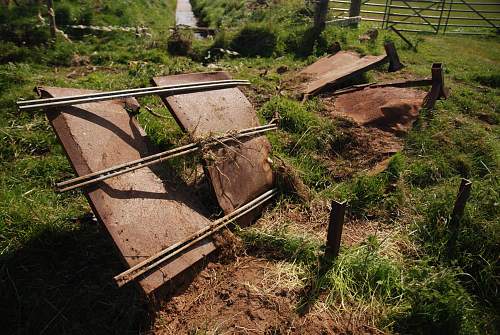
(52, 18)
(355, 10)
(320, 13)
(456, 216)
(335, 226)
(392, 54)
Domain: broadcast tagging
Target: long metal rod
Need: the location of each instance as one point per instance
(114, 171)
(129, 90)
(164, 255)
(119, 95)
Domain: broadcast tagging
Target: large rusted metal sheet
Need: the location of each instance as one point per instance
(142, 213)
(389, 108)
(238, 173)
(334, 69)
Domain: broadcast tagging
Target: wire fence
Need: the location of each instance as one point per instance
(428, 16)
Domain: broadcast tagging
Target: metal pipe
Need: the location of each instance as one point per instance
(164, 255)
(114, 171)
(168, 90)
(129, 90)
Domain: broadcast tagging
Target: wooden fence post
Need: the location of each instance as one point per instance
(355, 10)
(52, 18)
(456, 216)
(335, 226)
(320, 14)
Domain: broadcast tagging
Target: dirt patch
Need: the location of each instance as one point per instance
(360, 149)
(249, 296)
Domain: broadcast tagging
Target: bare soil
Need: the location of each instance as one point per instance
(250, 296)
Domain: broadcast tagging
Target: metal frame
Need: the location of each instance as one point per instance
(161, 257)
(414, 16)
(117, 170)
(30, 105)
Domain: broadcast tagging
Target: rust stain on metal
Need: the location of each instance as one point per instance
(141, 213)
(334, 69)
(238, 173)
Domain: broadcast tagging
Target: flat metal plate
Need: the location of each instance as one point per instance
(238, 173)
(141, 213)
(388, 108)
(335, 69)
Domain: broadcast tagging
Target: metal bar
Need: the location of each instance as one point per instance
(169, 90)
(472, 8)
(441, 15)
(164, 255)
(372, 19)
(437, 10)
(448, 17)
(469, 25)
(416, 31)
(131, 90)
(456, 216)
(114, 171)
(411, 15)
(409, 23)
(407, 41)
(419, 1)
(335, 226)
(465, 18)
(470, 33)
(421, 9)
(418, 13)
(386, 12)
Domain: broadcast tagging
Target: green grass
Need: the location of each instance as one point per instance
(56, 266)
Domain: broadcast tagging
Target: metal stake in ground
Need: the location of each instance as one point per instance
(456, 216)
(392, 55)
(335, 226)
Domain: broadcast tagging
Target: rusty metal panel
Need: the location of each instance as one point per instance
(389, 108)
(335, 69)
(238, 173)
(141, 213)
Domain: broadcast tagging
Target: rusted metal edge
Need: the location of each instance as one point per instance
(114, 171)
(152, 262)
(438, 90)
(104, 96)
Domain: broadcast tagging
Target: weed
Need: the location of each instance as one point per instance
(255, 40)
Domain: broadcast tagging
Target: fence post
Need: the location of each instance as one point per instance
(320, 13)
(335, 226)
(456, 216)
(355, 10)
(392, 54)
(52, 18)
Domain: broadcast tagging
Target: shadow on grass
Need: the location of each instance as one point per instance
(62, 283)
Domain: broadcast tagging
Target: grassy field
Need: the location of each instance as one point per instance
(56, 266)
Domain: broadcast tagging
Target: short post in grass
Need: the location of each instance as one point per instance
(456, 216)
(392, 55)
(320, 14)
(335, 226)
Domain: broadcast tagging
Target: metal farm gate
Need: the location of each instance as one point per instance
(467, 17)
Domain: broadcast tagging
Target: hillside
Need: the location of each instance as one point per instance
(393, 274)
